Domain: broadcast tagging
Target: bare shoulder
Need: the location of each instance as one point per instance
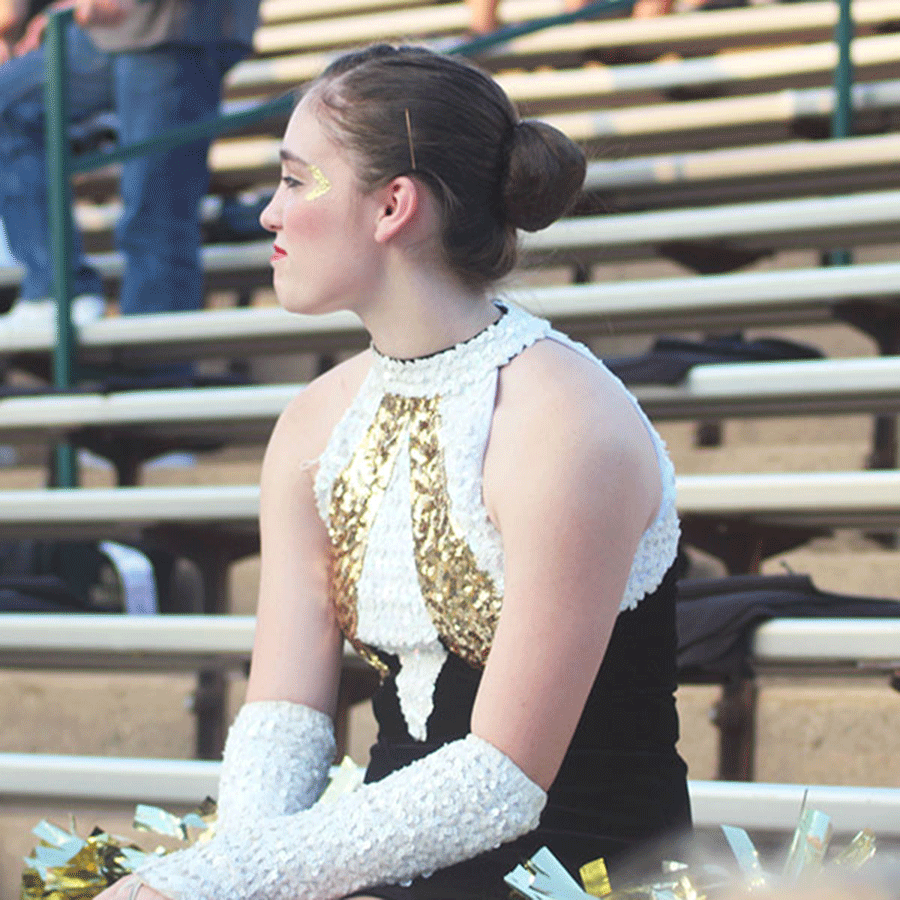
(303, 428)
(564, 424)
(555, 384)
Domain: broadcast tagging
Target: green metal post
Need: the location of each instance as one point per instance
(59, 198)
(842, 112)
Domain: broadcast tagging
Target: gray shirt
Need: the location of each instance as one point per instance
(151, 23)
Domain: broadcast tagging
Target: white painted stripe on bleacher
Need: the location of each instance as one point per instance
(275, 10)
(869, 643)
(166, 636)
(69, 507)
(107, 778)
(749, 804)
(758, 388)
(272, 73)
(778, 806)
(802, 388)
(809, 496)
(683, 29)
(766, 297)
(735, 67)
(823, 498)
(873, 375)
(658, 118)
(771, 217)
(665, 118)
(251, 154)
(792, 157)
(789, 158)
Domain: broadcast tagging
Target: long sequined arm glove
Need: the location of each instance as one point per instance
(463, 799)
(275, 763)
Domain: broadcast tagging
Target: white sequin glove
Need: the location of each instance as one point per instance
(275, 763)
(463, 799)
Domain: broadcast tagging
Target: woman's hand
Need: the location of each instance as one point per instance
(130, 888)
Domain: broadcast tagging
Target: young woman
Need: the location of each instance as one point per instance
(475, 503)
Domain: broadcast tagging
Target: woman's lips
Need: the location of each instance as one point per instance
(277, 253)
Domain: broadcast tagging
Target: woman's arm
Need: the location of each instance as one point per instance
(297, 647)
(572, 481)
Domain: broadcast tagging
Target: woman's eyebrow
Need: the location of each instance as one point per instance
(288, 156)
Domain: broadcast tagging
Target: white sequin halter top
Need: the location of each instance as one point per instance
(418, 565)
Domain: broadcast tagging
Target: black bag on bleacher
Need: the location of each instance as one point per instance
(670, 359)
(716, 618)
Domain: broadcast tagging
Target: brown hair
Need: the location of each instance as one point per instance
(407, 110)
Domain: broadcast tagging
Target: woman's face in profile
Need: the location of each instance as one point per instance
(323, 223)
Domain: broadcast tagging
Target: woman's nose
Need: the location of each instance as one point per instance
(268, 218)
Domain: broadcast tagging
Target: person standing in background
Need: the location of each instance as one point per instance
(159, 64)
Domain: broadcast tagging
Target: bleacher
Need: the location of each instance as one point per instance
(714, 198)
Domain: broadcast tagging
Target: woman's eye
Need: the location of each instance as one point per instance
(290, 181)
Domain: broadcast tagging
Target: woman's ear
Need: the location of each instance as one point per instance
(400, 204)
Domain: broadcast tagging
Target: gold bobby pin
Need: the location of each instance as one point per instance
(322, 185)
(412, 149)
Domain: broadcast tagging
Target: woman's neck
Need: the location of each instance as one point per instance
(421, 315)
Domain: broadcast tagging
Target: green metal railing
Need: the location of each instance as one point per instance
(61, 165)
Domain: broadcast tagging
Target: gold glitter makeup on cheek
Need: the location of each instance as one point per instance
(322, 185)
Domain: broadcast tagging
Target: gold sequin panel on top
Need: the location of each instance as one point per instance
(461, 598)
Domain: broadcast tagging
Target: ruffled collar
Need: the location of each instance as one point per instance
(450, 370)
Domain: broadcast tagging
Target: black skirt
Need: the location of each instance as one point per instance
(621, 791)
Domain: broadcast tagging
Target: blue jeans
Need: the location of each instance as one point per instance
(23, 178)
(159, 231)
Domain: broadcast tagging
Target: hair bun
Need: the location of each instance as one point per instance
(545, 173)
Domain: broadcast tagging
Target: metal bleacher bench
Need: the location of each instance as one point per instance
(756, 806)
(217, 524)
(177, 643)
(645, 306)
(246, 414)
